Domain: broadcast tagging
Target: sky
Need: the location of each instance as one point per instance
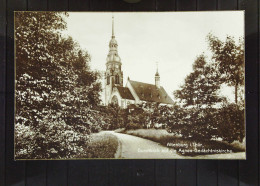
(173, 39)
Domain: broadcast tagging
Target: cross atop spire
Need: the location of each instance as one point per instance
(113, 34)
(157, 73)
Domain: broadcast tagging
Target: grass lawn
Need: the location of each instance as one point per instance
(101, 145)
(186, 147)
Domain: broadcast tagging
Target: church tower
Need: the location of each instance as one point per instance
(113, 74)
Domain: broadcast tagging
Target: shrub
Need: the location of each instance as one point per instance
(230, 122)
(131, 126)
(226, 123)
(100, 145)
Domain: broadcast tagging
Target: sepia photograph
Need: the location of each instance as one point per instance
(129, 85)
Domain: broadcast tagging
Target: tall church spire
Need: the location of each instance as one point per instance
(113, 53)
(114, 74)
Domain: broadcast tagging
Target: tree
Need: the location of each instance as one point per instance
(229, 56)
(115, 114)
(199, 117)
(199, 93)
(201, 86)
(138, 115)
(56, 92)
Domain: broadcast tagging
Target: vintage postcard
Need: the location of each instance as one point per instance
(129, 85)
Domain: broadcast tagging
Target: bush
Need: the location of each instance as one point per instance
(194, 123)
(230, 122)
(100, 145)
(226, 123)
(131, 126)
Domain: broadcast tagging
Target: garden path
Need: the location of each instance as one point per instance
(132, 147)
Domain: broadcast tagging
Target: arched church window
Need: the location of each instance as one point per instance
(108, 80)
(114, 100)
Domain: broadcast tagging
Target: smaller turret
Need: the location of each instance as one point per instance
(157, 78)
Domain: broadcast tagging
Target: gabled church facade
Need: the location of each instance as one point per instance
(134, 92)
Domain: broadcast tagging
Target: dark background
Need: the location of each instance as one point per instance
(128, 172)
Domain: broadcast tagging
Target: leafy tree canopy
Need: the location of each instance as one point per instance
(201, 85)
(229, 56)
(56, 91)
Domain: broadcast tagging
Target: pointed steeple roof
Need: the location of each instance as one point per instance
(113, 54)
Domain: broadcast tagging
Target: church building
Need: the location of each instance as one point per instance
(134, 92)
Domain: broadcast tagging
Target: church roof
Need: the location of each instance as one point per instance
(125, 93)
(149, 92)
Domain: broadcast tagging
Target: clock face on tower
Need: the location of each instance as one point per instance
(117, 66)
